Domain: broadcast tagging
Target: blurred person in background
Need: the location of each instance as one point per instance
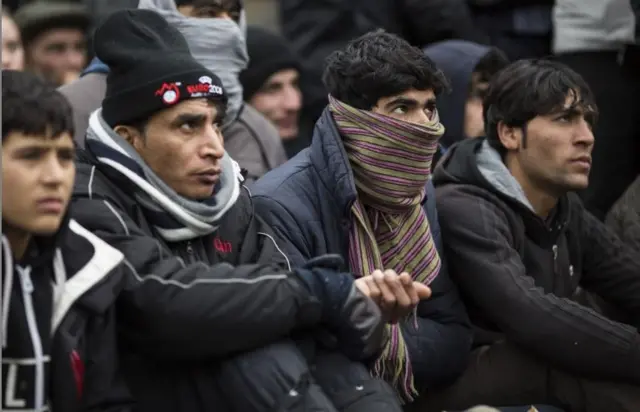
(599, 40)
(12, 50)
(271, 84)
(215, 30)
(59, 282)
(53, 35)
(468, 67)
(624, 216)
(524, 252)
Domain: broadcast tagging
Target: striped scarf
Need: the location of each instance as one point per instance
(391, 164)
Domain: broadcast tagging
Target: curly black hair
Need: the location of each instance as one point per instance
(377, 65)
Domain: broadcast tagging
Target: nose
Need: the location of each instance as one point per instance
(214, 143)
(54, 173)
(584, 134)
(292, 99)
(75, 59)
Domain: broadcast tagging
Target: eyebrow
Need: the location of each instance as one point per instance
(189, 118)
(409, 102)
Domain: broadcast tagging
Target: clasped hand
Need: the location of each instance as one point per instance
(396, 295)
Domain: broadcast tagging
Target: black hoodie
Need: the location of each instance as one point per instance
(521, 276)
(58, 325)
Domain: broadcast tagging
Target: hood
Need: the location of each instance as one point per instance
(457, 59)
(218, 44)
(474, 162)
(96, 66)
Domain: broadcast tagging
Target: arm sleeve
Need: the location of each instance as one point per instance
(490, 272)
(194, 311)
(611, 268)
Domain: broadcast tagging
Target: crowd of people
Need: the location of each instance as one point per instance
(403, 206)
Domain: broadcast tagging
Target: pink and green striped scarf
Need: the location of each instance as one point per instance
(391, 164)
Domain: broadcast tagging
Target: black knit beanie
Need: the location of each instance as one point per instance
(150, 67)
(268, 54)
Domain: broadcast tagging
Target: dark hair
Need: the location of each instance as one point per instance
(529, 88)
(490, 64)
(377, 65)
(33, 107)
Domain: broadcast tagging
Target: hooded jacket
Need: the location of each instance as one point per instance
(520, 275)
(457, 59)
(59, 326)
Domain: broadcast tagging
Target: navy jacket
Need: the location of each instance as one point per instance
(307, 202)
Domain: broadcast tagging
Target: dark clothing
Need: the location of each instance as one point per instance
(457, 60)
(624, 217)
(59, 312)
(520, 275)
(307, 203)
(186, 336)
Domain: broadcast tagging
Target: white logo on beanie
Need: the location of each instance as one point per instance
(170, 97)
(205, 79)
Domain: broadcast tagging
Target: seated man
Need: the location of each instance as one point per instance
(156, 184)
(59, 282)
(524, 251)
(362, 191)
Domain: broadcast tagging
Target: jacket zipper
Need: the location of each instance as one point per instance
(190, 251)
(554, 249)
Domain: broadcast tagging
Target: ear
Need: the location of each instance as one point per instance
(510, 137)
(131, 135)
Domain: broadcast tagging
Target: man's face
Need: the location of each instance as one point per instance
(59, 55)
(413, 106)
(183, 146)
(279, 100)
(557, 153)
(473, 120)
(37, 180)
(12, 51)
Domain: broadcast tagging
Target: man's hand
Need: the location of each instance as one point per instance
(396, 295)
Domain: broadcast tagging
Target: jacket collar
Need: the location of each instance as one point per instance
(329, 158)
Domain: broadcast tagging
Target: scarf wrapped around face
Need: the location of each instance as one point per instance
(391, 164)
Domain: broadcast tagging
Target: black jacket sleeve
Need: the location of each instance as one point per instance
(611, 268)
(440, 339)
(490, 273)
(195, 311)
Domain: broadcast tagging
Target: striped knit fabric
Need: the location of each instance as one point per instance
(391, 164)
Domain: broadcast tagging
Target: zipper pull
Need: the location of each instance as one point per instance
(189, 248)
(25, 276)
(554, 249)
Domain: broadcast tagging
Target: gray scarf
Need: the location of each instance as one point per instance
(218, 44)
(174, 217)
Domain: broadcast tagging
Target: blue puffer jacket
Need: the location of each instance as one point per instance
(307, 202)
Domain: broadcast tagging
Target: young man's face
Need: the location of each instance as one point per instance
(413, 106)
(183, 146)
(557, 153)
(207, 9)
(37, 180)
(59, 55)
(280, 100)
(473, 120)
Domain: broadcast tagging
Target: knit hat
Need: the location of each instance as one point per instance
(150, 67)
(39, 16)
(268, 54)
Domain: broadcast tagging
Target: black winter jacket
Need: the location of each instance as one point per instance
(60, 334)
(521, 276)
(196, 307)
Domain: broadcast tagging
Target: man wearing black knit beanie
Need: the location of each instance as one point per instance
(213, 296)
(271, 85)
